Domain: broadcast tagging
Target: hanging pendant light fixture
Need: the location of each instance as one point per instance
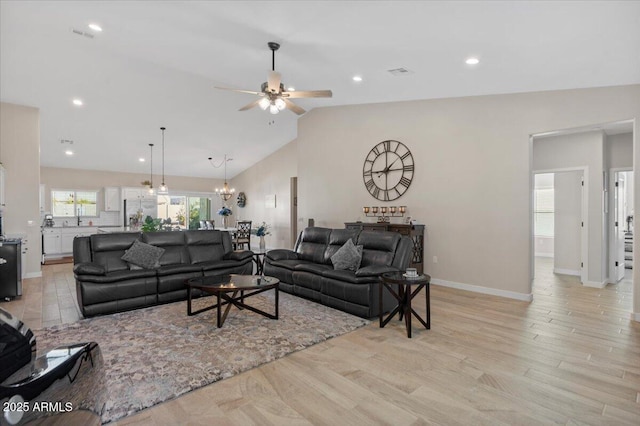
(163, 189)
(151, 190)
(225, 192)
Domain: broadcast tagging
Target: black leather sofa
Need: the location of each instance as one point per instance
(307, 270)
(106, 284)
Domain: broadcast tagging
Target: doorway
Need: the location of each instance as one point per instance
(621, 225)
(559, 213)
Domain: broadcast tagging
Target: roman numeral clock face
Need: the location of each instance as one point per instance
(388, 170)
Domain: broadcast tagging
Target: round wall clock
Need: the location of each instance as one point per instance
(388, 170)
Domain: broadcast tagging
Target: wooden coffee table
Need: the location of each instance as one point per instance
(226, 289)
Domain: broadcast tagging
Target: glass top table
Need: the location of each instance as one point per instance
(226, 289)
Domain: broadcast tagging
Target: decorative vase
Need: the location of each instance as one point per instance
(263, 245)
(225, 221)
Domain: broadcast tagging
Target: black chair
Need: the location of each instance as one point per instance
(242, 235)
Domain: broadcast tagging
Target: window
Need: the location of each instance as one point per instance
(74, 203)
(184, 211)
(543, 212)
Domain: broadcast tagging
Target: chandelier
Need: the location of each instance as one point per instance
(225, 192)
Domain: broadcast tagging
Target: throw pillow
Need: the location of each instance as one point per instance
(348, 257)
(144, 255)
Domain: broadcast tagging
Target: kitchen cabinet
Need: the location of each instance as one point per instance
(137, 194)
(68, 234)
(51, 241)
(59, 241)
(112, 199)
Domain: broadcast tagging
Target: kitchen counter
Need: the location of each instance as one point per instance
(111, 229)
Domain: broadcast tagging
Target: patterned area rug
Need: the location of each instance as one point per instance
(155, 354)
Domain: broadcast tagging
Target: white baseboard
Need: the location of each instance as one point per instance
(566, 272)
(635, 316)
(595, 284)
(33, 275)
(484, 290)
(544, 255)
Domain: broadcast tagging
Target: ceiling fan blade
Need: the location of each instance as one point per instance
(250, 105)
(273, 81)
(293, 107)
(309, 94)
(251, 92)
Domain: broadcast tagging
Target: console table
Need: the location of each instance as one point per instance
(415, 232)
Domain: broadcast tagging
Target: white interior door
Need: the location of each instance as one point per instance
(618, 203)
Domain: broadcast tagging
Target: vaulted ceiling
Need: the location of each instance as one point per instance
(156, 64)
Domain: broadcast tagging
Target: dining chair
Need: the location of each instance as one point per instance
(210, 224)
(242, 235)
(203, 225)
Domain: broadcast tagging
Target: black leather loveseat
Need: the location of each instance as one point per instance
(307, 270)
(105, 283)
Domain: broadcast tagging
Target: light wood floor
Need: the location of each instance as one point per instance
(570, 357)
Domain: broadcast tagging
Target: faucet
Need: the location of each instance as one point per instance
(79, 220)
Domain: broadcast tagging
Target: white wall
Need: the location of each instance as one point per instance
(20, 154)
(619, 150)
(567, 218)
(271, 176)
(581, 150)
(472, 178)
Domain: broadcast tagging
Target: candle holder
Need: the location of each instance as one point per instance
(386, 213)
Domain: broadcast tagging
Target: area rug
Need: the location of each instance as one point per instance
(155, 354)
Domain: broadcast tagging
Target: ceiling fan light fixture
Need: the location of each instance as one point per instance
(264, 103)
(279, 103)
(273, 109)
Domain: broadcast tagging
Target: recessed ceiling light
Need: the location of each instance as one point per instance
(357, 78)
(68, 152)
(472, 61)
(141, 160)
(291, 89)
(95, 27)
(77, 102)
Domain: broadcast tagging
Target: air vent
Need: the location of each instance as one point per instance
(66, 141)
(81, 33)
(399, 71)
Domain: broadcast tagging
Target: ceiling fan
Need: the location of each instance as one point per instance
(274, 96)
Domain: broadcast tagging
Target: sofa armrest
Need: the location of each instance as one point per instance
(88, 268)
(281, 254)
(374, 270)
(238, 255)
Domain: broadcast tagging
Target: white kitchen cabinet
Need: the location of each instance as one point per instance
(68, 235)
(136, 194)
(51, 241)
(112, 199)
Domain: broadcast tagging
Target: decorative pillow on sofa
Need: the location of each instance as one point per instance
(347, 257)
(143, 255)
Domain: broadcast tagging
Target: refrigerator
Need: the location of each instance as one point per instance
(137, 209)
(10, 268)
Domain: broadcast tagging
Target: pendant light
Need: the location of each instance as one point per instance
(151, 190)
(163, 189)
